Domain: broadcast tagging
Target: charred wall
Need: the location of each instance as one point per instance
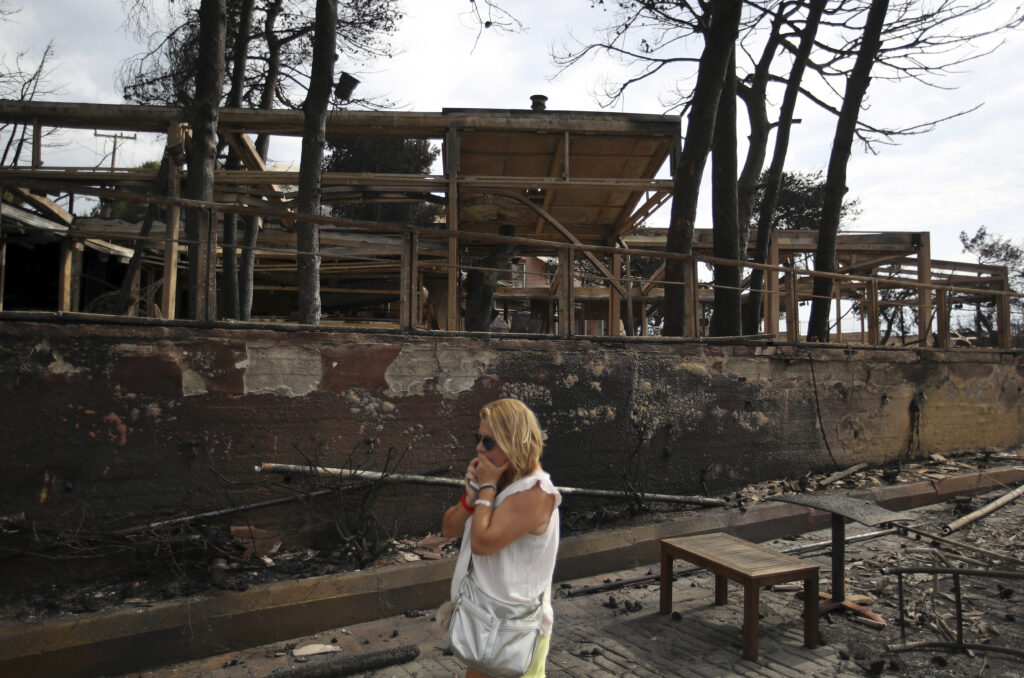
(112, 426)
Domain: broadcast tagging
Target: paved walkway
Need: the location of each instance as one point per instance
(616, 633)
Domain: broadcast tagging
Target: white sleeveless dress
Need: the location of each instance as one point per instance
(522, 571)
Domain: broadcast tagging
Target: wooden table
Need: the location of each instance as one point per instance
(751, 565)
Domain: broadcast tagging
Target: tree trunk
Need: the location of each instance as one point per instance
(835, 181)
(273, 75)
(726, 318)
(321, 83)
(718, 46)
(240, 56)
(480, 285)
(160, 187)
(773, 182)
(203, 148)
(754, 97)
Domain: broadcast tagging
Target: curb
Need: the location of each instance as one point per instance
(125, 640)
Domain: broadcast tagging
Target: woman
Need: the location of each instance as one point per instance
(510, 524)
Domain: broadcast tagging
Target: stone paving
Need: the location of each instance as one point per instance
(619, 632)
(592, 638)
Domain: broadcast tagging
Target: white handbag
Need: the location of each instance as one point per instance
(492, 636)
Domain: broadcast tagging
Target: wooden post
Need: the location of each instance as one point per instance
(614, 298)
(630, 321)
(405, 278)
(942, 318)
(838, 289)
(771, 290)
(691, 293)
(3, 260)
(452, 170)
(924, 295)
(415, 300)
(169, 289)
(206, 294)
(873, 335)
(1003, 312)
(37, 145)
(565, 301)
(69, 293)
(792, 308)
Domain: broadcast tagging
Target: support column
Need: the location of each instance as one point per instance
(792, 308)
(169, 289)
(771, 290)
(924, 295)
(614, 298)
(452, 170)
(872, 292)
(565, 300)
(691, 292)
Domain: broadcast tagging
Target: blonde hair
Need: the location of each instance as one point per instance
(517, 432)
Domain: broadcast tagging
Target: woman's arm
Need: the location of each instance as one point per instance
(523, 512)
(454, 521)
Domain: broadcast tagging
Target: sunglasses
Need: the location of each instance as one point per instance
(486, 440)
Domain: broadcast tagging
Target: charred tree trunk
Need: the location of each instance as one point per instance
(754, 95)
(160, 187)
(773, 182)
(726, 318)
(239, 60)
(714, 61)
(835, 182)
(480, 285)
(321, 82)
(203, 148)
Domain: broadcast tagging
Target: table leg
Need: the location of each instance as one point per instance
(751, 605)
(811, 638)
(721, 590)
(838, 558)
(666, 582)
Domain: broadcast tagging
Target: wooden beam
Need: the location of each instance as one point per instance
(452, 173)
(615, 299)
(924, 295)
(566, 233)
(565, 300)
(169, 288)
(49, 208)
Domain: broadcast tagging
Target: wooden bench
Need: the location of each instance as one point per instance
(751, 565)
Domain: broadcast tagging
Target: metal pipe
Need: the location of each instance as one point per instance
(224, 512)
(985, 552)
(286, 469)
(983, 511)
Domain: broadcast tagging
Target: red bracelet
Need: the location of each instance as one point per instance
(465, 505)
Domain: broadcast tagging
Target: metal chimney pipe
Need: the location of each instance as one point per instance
(538, 102)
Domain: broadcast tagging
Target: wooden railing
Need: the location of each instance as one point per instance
(585, 289)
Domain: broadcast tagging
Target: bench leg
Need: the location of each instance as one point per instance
(665, 605)
(751, 605)
(721, 590)
(811, 638)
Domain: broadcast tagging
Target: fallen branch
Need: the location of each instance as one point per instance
(839, 475)
(290, 469)
(983, 511)
(958, 544)
(926, 644)
(350, 664)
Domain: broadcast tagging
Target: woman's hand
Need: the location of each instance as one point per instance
(486, 472)
(471, 494)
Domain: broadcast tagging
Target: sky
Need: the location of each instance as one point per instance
(967, 173)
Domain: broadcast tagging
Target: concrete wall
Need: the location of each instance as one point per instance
(108, 426)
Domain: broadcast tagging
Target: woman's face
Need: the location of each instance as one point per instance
(495, 455)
